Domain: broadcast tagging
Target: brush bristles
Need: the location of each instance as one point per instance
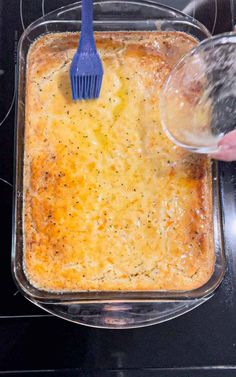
(86, 86)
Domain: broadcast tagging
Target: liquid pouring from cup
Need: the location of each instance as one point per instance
(198, 99)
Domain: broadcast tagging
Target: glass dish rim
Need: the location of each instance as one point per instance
(37, 295)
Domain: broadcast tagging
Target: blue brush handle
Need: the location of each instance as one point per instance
(87, 42)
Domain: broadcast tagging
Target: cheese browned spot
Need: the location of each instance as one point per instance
(109, 202)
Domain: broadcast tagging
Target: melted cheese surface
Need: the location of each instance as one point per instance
(110, 202)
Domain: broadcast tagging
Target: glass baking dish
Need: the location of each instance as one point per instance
(109, 16)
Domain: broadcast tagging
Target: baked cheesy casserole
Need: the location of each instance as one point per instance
(109, 202)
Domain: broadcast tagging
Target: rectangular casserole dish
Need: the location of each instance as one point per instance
(63, 21)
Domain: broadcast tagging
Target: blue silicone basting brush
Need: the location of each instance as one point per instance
(86, 69)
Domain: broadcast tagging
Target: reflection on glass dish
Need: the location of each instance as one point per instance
(198, 100)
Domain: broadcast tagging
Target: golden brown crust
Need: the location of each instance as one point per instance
(109, 202)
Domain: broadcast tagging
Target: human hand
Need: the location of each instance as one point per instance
(227, 148)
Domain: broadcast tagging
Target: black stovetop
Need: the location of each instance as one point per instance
(32, 340)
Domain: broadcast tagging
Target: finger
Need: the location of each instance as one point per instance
(227, 148)
(225, 154)
(229, 140)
